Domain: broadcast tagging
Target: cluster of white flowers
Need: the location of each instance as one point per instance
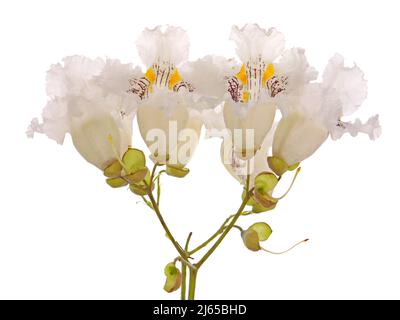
(96, 101)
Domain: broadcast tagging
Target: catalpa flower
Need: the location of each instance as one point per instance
(88, 100)
(283, 78)
(172, 99)
(249, 110)
(313, 112)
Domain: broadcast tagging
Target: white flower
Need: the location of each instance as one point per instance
(250, 106)
(313, 111)
(239, 168)
(173, 100)
(89, 100)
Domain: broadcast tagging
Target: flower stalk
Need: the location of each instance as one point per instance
(184, 270)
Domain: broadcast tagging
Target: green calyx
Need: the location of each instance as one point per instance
(250, 240)
(113, 169)
(279, 166)
(264, 184)
(173, 277)
(116, 182)
(130, 170)
(133, 160)
(137, 176)
(258, 208)
(256, 233)
(265, 200)
(263, 230)
(176, 171)
(142, 188)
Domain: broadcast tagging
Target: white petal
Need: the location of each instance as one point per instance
(115, 76)
(249, 129)
(72, 75)
(33, 127)
(188, 139)
(294, 66)
(55, 121)
(296, 138)
(349, 83)
(314, 102)
(234, 165)
(208, 77)
(237, 167)
(91, 139)
(253, 42)
(171, 45)
(372, 128)
(159, 127)
(213, 120)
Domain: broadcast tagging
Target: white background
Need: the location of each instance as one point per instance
(65, 234)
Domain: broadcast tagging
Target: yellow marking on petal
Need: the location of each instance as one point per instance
(151, 89)
(268, 74)
(150, 75)
(110, 138)
(242, 76)
(245, 96)
(175, 78)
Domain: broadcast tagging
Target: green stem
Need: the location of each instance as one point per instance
(156, 209)
(178, 248)
(183, 284)
(192, 284)
(153, 171)
(238, 227)
(218, 232)
(228, 228)
(158, 190)
(205, 243)
(184, 269)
